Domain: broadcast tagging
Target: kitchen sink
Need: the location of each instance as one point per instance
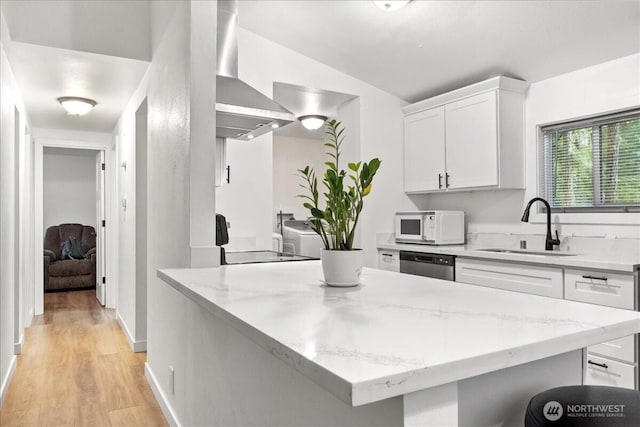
(525, 252)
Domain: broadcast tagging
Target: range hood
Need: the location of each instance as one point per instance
(242, 112)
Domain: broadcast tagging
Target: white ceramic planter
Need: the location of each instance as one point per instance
(342, 268)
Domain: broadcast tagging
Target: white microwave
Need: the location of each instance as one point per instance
(430, 227)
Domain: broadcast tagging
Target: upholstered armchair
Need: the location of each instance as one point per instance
(61, 274)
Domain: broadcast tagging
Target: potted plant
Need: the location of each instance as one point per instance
(336, 223)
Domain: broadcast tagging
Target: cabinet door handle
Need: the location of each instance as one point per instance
(383, 254)
(602, 365)
(439, 180)
(586, 276)
(446, 180)
(228, 174)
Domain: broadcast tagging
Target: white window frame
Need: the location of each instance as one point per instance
(609, 218)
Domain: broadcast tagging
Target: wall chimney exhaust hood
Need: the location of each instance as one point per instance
(242, 112)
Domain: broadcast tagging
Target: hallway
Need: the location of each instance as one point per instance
(76, 368)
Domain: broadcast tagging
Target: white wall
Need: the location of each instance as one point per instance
(16, 299)
(69, 186)
(246, 200)
(262, 63)
(142, 218)
(168, 239)
(131, 309)
(289, 155)
(175, 225)
(597, 89)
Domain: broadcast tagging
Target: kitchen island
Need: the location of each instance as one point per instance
(268, 344)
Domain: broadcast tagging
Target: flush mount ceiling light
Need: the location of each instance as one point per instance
(76, 106)
(312, 121)
(389, 5)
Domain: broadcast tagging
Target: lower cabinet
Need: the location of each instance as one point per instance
(623, 349)
(389, 260)
(612, 363)
(604, 288)
(530, 279)
(603, 371)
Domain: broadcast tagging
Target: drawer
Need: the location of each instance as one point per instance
(609, 372)
(610, 289)
(525, 278)
(389, 260)
(621, 349)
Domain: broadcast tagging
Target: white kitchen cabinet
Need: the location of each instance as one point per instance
(471, 138)
(623, 349)
(424, 154)
(604, 288)
(389, 260)
(530, 279)
(612, 363)
(472, 144)
(603, 371)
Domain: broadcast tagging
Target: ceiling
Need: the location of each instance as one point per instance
(111, 27)
(101, 49)
(96, 49)
(302, 100)
(431, 47)
(44, 74)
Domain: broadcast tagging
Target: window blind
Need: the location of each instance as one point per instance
(593, 163)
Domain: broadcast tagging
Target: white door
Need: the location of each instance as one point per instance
(424, 165)
(472, 141)
(100, 232)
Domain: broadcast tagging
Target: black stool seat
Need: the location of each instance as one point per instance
(584, 406)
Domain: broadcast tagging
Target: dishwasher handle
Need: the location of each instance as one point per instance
(427, 258)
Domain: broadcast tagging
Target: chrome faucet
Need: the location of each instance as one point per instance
(549, 242)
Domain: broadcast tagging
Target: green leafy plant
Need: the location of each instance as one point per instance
(336, 223)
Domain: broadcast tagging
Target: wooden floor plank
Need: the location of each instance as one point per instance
(77, 369)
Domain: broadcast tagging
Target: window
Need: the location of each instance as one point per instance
(593, 164)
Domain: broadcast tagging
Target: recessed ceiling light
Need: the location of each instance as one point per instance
(312, 121)
(76, 106)
(389, 5)
(275, 126)
(250, 136)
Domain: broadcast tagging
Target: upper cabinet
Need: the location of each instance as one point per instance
(424, 150)
(468, 139)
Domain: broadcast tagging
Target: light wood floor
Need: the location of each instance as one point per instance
(76, 368)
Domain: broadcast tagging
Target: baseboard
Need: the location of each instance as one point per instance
(6, 381)
(17, 347)
(165, 407)
(140, 346)
(136, 346)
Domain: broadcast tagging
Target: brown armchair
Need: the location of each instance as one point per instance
(60, 274)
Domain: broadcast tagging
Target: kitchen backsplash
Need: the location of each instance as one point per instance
(627, 247)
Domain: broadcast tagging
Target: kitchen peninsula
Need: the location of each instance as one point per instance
(268, 344)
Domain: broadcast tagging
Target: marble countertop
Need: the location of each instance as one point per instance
(395, 333)
(602, 261)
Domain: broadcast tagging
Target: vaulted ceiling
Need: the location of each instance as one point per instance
(101, 49)
(430, 47)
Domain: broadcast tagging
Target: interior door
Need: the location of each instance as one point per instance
(100, 234)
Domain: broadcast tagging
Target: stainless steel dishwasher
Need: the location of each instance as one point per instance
(428, 265)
